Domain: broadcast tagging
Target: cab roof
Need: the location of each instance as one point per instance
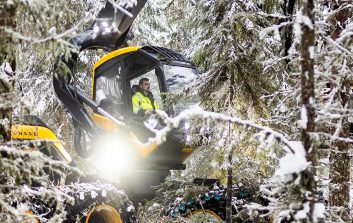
(153, 52)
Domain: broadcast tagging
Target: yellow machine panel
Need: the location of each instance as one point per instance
(104, 123)
(29, 132)
(115, 53)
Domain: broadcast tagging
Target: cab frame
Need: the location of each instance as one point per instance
(133, 62)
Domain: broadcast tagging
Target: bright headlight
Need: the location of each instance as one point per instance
(96, 29)
(113, 156)
(103, 27)
(104, 24)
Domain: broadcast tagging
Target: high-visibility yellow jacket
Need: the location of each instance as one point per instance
(140, 101)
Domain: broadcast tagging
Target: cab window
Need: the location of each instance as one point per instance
(108, 85)
(108, 88)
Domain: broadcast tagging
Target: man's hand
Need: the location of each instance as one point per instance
(149, 112)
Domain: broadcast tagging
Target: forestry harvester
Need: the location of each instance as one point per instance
(118, 136)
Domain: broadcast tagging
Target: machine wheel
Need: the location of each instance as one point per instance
(204, 216)
(204, 208)
(211, 206)
(99, 203)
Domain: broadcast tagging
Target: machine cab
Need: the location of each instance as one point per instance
(116, 77)
(114, 82)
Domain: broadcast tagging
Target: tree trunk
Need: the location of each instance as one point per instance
(230, 156)
(307, 100)
(7, 20)
(288, 30)
(7, 55)
(339, 156)
(229, 187)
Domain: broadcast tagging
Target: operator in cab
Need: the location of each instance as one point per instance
(143, 103)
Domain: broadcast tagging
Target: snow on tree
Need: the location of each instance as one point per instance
(280, 76)
(32, 36)
(263, 39)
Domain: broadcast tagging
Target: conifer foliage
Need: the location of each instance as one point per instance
(32, 35)
(275, 96)
(284, 65)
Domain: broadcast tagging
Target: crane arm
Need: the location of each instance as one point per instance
(108, 32)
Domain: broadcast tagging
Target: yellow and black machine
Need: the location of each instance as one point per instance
(119, 138)
(121, 134)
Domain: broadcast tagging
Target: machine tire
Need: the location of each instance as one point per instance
(209, 215)
(90, 196)
(213, 205)
(213, 208)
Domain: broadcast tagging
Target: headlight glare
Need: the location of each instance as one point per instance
(113, 157)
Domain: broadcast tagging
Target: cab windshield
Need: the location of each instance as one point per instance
(177, 77)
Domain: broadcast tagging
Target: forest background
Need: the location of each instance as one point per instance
(279, 72)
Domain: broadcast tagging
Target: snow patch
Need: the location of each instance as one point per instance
(297, 25)
(130, 208)
(303, 118)
(319, 212)
(22, 208)
(8, 69)
(38, 82)
(306, 20)
(52, 30)
(249, 24)
(283, 108)
(292, 162)
(154, 206)
(303, 214)
(311, 52)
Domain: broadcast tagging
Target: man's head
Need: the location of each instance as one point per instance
(145, 85)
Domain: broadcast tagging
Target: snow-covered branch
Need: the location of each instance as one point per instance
(172, 123)
(53, 36)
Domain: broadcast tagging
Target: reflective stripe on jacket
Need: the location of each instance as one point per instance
(140, 101)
